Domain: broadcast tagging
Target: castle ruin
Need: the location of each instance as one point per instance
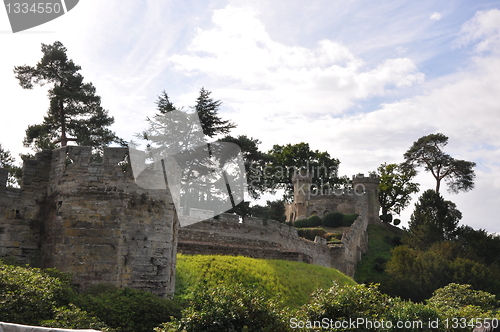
(90, 219)
(94, 221)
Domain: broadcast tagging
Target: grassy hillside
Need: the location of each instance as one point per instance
(293, 281)
(381, 240)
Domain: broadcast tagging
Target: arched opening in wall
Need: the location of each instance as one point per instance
(314, 213)
(325, 212)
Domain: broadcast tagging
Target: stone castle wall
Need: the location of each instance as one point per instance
(91, 220)
(255, 238)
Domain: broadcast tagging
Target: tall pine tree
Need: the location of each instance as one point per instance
(75, 112)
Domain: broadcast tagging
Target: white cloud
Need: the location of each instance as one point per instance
(484, 30)
(436, 16)
(239, 50)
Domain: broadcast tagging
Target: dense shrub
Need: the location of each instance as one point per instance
(28, 295)
(311, 233)
(386, 218)
(337, 219)
(341, 303)
(33, 296)
(457, 296)
(312, 221)
(72, 317)
(126, 309)
(332, 219)
(348, 219)
(229, 308)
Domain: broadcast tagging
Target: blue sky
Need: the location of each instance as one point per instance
(359, 79)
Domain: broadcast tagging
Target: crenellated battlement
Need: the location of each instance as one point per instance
(90, 219)
(361, 178)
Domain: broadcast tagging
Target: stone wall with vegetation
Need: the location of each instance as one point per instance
(90, 219)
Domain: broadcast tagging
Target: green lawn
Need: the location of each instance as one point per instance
(292, 281)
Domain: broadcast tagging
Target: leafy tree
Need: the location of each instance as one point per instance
(75, 112)
(415, 274)
(395, 187)
(7, 162)
(479, 245)
(288, 159)
(433, 220)
(428, 152)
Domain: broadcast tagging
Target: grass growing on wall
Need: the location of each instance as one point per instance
(381, 240)
(292, 281)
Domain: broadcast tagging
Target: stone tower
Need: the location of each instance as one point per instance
(90, 219)
(369, 185)
(301, 193)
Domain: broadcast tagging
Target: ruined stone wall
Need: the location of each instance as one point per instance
(255, 238)
(91, 220)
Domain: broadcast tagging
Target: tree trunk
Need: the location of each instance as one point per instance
(64, 139)
(438, 184)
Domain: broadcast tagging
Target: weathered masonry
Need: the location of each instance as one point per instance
(90, 219)
(270, 239)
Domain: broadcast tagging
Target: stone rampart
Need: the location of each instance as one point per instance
(256, 238)
(90, 219)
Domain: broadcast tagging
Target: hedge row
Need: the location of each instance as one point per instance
(331, 219)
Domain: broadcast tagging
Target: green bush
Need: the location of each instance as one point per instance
(311, 233)
(33, 296)
(386, 218)
(341, 303)
(229, 308)
(28, 295)
(312, 221)
(126, 309)
(332, 219)
(348, 219)
(72, 317)
(457, 296)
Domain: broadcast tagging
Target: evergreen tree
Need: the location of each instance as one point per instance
(207, 109)
(433, 220)
(75, 112)
(7, 162)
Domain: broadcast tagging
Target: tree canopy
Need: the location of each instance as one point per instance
(433, 220)
(75, 112)
(395, 187)
(208, 109)
(7, 162)
(289, 158)
(428, 152)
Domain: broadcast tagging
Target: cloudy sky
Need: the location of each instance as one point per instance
(362, 80)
